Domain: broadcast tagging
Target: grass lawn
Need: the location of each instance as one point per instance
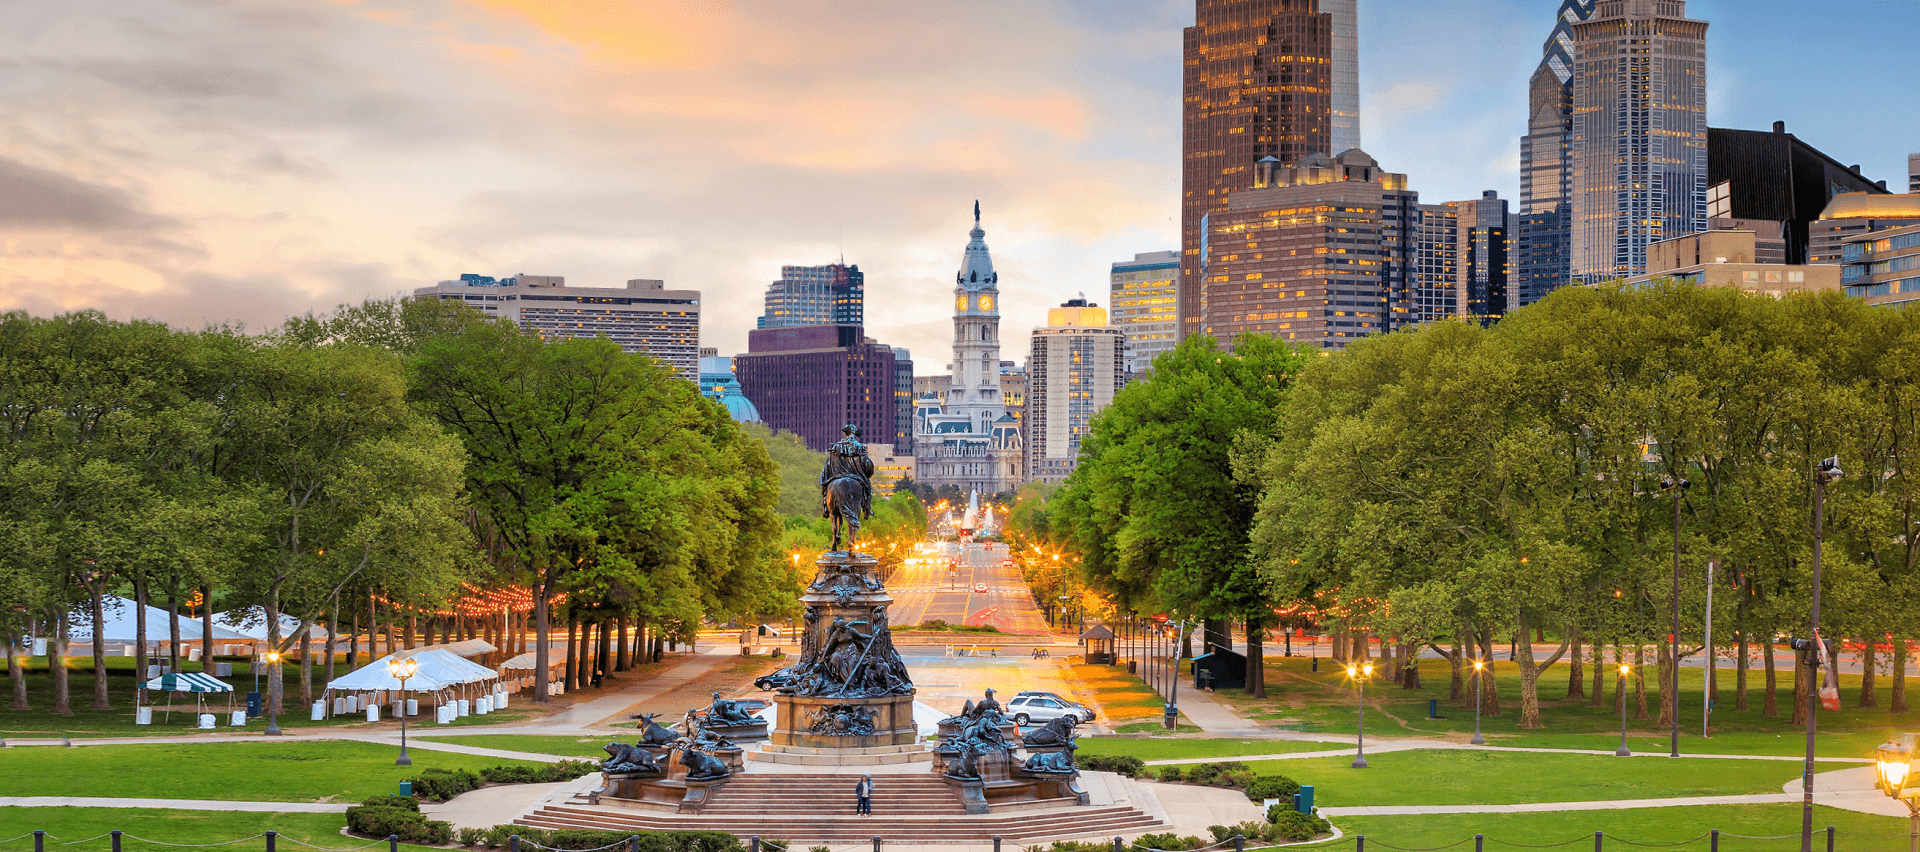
(1483, 777)
(1125, 698)
(266, 771)
(1323, 702)
(139, 825)
(1173, 748)
(1854, 832)
(533, 743)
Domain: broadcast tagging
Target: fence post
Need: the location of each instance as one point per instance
(1119, 845)
(996, 843)
(1359, 843)
(1239, 843)
(39, 841)
(753, 843)
(1479, 841)
(1713, 840)
(1829, 838)
(271, 836)
(393, 843)
(116, 840)
(876, 843)
(633, 843)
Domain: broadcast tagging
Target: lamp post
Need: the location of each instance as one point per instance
(1892, 763)
(273, 684)
(1828, 472)
(403, 669)
(1359, 674)
(1676, 489)
(1179, 629)
(1063, 609)
(1621, 691)
(1478, 695)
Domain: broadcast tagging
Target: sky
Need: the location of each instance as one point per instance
(240, 161)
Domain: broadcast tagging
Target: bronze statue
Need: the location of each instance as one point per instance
(623, 759)
(846, 487)
(726, 712)
(1059, 731)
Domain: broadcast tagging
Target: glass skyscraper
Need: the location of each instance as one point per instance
(1540, 247)
(834, 294)
(1638, 147)
(1346, 73)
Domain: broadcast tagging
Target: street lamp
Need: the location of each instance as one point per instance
(1621, 691)
(403, 669)
(1676, 490)
(1478, 694)
(273, 713)
(1359, 674)
(1828, 472)
(1177, 633)
(1893, 763)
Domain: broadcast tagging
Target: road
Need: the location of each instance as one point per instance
(927, 589)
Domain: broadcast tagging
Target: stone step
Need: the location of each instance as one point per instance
(1078, 823)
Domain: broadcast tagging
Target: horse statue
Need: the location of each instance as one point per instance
(846, 487)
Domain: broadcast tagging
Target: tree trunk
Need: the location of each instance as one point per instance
(1489, 687)
(540, 649)
(1410, 664)
(1639, 681)
(17, 673)
(333, 633)
(139, 633)
(1339, 647)
(276, 684)
(1456, 678)
(570, 673)
(1576, 676)
(1899, 702)
(601, 668)
(412, 629)
(98, 592)
(1741, 664)
(206, 629)
(1800, 684)
(620, 654)
(306, 665)
(1217, 632)
(353, 641)
(1599, 697)
(1770, 704)
(1530, 675)
(57, 666)
(1668, 673)
(173, 630)
(1867, 662)
(1256, 657)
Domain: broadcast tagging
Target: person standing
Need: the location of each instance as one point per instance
(863, 794)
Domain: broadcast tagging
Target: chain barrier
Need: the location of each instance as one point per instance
(1773, 837)
(21, 837)
(1662, 845)
(333, 849)
(615, 845)
(88, 840)
(1581, 839)
(1425, 849)
(126, 836)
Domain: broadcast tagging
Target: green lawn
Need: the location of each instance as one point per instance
(266, 771)
(1855, 832)
(1323, 702)
(1170, 748)
(533, 743)
(1462, 777)
(139, 825)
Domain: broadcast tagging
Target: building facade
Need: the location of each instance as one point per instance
(1639, 141)
(718, 383)
(813, 380)
(1913, 173)
(1546, 170)
(1776, 184)
(1145, 297)
(834, 294)
(1851, 215)
(966, 438)
(1074, 367)
(1731, 258)
(644, 317)
(1258, 82)
(1883, 268)
(1345, 96)
(1481, 289)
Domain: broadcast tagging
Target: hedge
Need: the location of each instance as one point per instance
(1124, 764)
(583, 838)
(382, 818)
(1272, 787)
(439, 785)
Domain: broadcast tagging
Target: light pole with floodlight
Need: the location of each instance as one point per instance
(1479, 693)
(273, 686)
(1359, 674)
(403, 669)
(1621, 690)
(1677, 490)
(1828, 473)
(1893, 764)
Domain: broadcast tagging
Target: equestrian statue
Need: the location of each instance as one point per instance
(846, 487)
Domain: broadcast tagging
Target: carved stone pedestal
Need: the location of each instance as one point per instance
(810, 721)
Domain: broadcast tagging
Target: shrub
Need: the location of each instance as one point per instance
(565, 770)
(390, 801)
(819, 849)
(1173, 774)
(652, 841)
(1294, 826)
(1272, 787)
(410, 826)
(1124, 764)
(1079, 846)
(472, 836)
(1168, 840)
(1230, 773)
(442, 784)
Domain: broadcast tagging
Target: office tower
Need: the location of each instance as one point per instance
(1323, 252)
(1639, 144)
(1076, 364)
(967, 439)
(903, 401)
(1913, 173)
(1258, 82)
(1345, 130)
(1145, 296)
(718, 383)
(1546, 175)
(642, 317)
(1776, 185)
(1883, 268)
(1857, 214)
(812, 380)
(1436, 264)
(1481, 269)
(834, 294)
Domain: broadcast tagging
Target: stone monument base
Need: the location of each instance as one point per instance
(808, 722)
(846, 757)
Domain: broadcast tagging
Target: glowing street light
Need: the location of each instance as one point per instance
(273, 716)
(1621, 690)
(1359, 674)
(1893, 763)
(403, 669)
(1478, 694)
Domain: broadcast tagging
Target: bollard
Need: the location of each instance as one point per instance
(1119, 845)
(996, 843)
(393, 843)
(1359, 840)
(1599, 837)
(1713, 840)
(1239, 843)
(753, 843)
(876, 843)
(271, 836)
(39, 841)
(1479, 843)
(633, 843)
(116, 840)
(513, 843)
(1829, 838)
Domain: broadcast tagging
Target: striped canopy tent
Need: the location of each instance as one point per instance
(192, 682)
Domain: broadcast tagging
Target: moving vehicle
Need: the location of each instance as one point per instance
(980, 588)
(1027, 708)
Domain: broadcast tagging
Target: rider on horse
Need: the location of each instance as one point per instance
(847, 460)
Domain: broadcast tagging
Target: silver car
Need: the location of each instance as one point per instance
(1027, 709)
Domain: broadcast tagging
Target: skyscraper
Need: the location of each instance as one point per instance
(1913, 173)
(1639, 140)
(1346, 73)
(834, 294)
(1076, 365)
(1481, 268)
(1546, 175)
(1145, 295)
(812, 380)
(643, 316)
(1258, 82)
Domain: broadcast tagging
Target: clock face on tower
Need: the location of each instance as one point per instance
(959, 303)
(986, 303)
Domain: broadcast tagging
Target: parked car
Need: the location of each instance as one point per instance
(980, 588)
(781, 678)
(1026, 709)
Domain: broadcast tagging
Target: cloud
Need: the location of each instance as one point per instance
(33, 198)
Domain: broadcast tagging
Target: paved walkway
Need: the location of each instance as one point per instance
(171, 804)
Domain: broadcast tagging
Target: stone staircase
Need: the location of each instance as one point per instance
(818, 808)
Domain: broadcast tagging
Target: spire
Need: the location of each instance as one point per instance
(976, 213)
(976, 266)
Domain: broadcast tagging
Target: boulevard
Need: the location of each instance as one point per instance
(944, 589)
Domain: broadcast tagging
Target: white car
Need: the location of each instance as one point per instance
(1026, 709)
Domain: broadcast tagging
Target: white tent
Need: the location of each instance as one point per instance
(252, 621)
(468, 648)
(374, 677)
(120, 625)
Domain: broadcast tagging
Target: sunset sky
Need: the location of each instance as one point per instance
(236, 161)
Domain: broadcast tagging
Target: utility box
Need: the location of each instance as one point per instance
(1303, 800)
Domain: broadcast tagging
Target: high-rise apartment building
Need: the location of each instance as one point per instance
(1436, 264)
(812, 380)
(1639, 143)
(1145, 295)
(1883, 268)
(1076, 364)
(1546, 175)
(1858, 214)
(967, 439)
(643, 317)
(1258, 82)
(834, 294)
(1480, 244)
(1346, 73)
(1913, 173)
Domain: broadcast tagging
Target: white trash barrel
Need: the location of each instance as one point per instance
(319, 710)
(443, 714)
(339, 706)
(500, 700)
(239, 719)
(143, 716)
(464, 708)
(206, 721)
(413, 706)
(483, 705)
(373, 712)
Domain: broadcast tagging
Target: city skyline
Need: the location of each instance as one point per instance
(219, 165)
